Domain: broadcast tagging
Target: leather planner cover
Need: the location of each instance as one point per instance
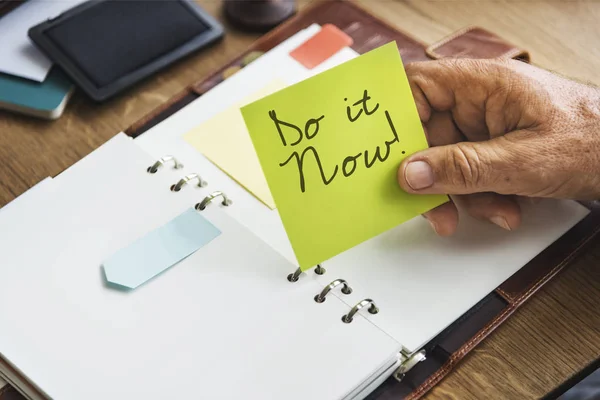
(446, 350)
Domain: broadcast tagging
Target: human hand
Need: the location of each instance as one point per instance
(500, 130)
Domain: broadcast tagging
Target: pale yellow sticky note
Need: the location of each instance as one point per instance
(330, 147)
(224, 140)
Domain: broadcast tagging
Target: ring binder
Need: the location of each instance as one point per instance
(407, 363)
(347, 318)
(162, 161)
(293, 277)
(208, 199)
(345, 289)
(185, 180)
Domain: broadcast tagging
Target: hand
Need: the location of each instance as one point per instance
(499, 130)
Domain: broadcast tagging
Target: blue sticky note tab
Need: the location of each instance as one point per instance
(159, 250)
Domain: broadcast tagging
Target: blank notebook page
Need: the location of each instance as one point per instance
(223, 324)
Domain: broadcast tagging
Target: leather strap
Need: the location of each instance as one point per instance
(475, 42)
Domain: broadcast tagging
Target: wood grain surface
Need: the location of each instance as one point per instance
(553, 336)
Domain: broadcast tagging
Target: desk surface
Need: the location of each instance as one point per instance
(551, 338)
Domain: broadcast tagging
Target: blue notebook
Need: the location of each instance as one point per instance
(39, 99)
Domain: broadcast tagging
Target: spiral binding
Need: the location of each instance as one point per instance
(162, 161)
(346, 289)
(210, 198)
(373, 309)
(186, 179)
(293, 277)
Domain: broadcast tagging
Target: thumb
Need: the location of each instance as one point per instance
(463, 168)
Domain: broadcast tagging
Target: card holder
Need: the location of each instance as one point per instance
(93, 42)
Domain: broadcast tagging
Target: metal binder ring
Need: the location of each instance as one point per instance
(184, 181)
(361, 304)
(161, 161)
(319, 270)
(202, 205)
(407, 363)
(295, 276)
(346, 289)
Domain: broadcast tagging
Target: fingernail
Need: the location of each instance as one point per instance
(501, 222)
(433, 225)
(418, 175)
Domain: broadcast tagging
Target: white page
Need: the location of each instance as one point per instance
(18, 55)
(223, 324)
(422, 282)
(28, 196)
(23, 217)
(35, 195)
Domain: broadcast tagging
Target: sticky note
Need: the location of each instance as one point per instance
(224, 140)
(159, 250)
(324, 44)
(330, 147)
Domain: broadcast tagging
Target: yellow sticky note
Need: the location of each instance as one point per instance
(330, 147)
(224, 140)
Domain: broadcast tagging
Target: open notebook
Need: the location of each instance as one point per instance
(224, 323)
(229, 321)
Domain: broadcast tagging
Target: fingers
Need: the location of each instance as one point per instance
(463, 168)
(503, 211)
(441, 130)
(459, 87)
(423, 107)
(443, 219)
(486, 98)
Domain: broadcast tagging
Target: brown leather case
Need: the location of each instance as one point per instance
(446, 350)
(8, 393)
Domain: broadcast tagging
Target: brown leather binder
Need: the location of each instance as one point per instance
(446, 350)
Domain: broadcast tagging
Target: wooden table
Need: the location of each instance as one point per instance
(553, 336)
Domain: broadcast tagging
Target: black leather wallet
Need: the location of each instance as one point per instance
(107, 46)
